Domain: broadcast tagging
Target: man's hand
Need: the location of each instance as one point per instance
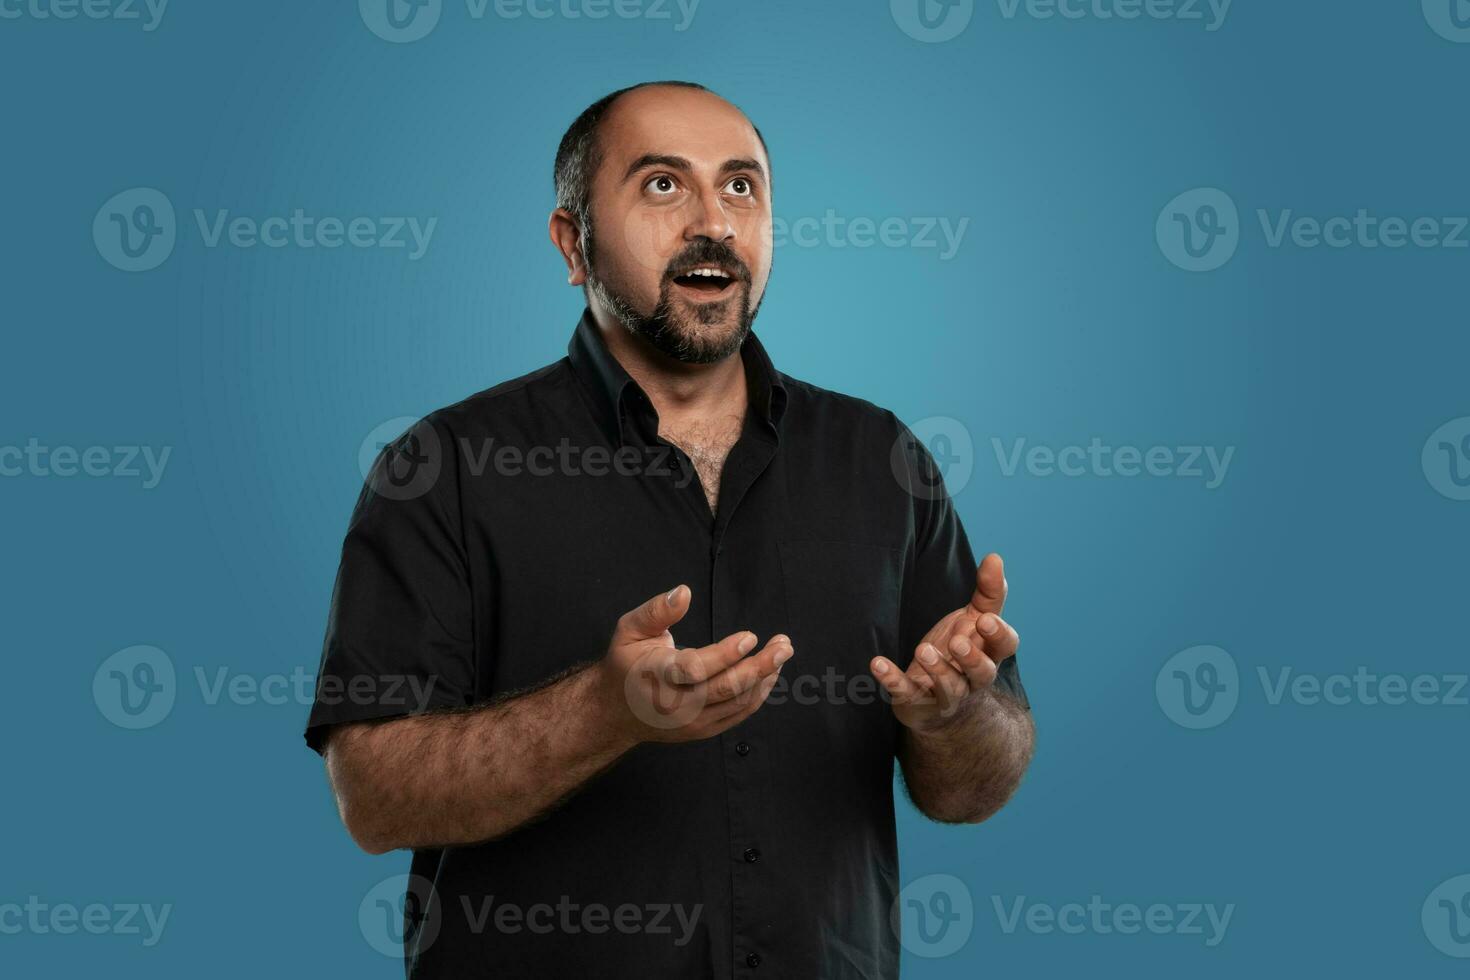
(656, 692)
(442, 779)
(957, 660)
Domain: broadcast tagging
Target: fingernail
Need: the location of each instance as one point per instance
(673, 595)
(989, 624)
(780, 638)
(748, 643)
(880, 666)
(783, 656)
(964, 646)
(928, 654)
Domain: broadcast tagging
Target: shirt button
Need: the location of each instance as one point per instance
(753, 959)
(742, 748)
(752, 855)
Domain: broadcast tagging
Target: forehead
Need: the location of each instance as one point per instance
(699, 126)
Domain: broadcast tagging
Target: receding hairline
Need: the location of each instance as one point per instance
(618, 103)
(592, 152)
(599, 150)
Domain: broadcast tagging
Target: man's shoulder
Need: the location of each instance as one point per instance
(532, 395)
(835, 422)
(824, 406)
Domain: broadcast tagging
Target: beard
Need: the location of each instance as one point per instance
(692, 333)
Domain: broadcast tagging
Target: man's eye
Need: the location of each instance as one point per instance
(740, 187)
(662, 184)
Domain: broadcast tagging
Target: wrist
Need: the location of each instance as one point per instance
(611, 718)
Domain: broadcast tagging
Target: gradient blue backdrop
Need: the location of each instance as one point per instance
(1059, 319)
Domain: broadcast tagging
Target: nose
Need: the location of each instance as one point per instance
(709, 219)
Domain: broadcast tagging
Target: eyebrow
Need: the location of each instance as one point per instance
(684, 166)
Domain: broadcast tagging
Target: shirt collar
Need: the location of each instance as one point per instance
(617, 397)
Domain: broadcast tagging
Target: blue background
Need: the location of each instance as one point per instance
(1060, 318)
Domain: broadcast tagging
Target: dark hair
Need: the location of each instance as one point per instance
(578, 156)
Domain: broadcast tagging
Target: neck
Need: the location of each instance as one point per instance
(680, 392)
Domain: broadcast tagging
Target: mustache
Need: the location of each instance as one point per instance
(707, 251)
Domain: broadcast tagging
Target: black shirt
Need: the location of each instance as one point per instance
(497, 543)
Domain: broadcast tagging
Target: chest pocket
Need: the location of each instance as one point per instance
(842, 601)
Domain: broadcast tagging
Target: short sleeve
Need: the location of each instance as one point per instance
(400, 632)
(940, 576)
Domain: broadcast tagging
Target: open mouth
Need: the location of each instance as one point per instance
(706, 281)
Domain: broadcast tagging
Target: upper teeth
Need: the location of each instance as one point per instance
(708, 272)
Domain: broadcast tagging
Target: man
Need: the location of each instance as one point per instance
(673, 615)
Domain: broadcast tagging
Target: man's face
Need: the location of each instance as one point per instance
(680, 244)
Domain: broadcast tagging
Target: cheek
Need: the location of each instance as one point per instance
(650, 237)
(758, 253)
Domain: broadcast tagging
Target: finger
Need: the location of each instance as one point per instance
(979, 669)
(950, 686)
(736, 680)
(901, 688)
(969, 631)
(698, 664)
(652, 619)
(1000, 639)
(990, 585)
(727, 714)
(919, 676)
(962, 628)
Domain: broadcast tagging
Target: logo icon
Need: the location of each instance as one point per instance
(1446, 917)
(401, 458)
(1446, 459)
(1199, 230)
(932, 21)
(1198, 687)
(654, 696)
(933, 916)
(948, 443)
(1450, 19)
(135, 230)
(135, 688)
(398, 913)
(400, 21)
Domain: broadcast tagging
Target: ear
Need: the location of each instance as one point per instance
(567, 237)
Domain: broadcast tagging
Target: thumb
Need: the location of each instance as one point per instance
(990, 585)
(650, 620)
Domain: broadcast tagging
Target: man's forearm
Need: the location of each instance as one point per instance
(966, 770)
(461, 777)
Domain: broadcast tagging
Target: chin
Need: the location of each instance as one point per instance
(709, 332)
(683, 326)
